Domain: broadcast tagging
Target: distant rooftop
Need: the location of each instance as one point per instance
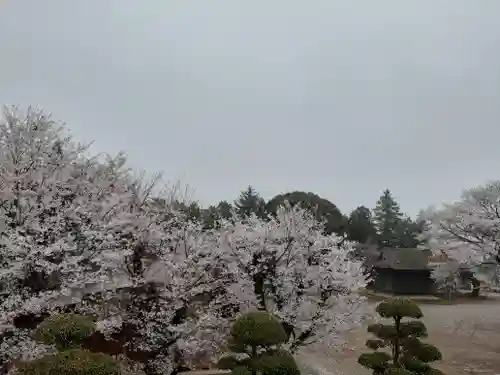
(395, 258)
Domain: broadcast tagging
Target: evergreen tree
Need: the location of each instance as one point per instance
(250, 202)
(213, 214)
(408, 355)
(387, 219)
(225, 210)
(360, 226)
(192, 210)
(408, 232)
(210, 217)
(322, 209)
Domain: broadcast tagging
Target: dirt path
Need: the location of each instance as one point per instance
(468, 336)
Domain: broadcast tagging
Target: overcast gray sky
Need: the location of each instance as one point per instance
(341, 98)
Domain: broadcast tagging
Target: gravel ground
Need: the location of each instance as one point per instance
(468, 336)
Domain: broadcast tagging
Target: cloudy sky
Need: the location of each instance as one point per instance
(341, 98)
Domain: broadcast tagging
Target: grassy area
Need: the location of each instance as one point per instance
(378, 297)
(459, 298)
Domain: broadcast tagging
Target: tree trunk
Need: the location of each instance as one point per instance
(254, 355)
(475, 287)
(396, 349)
(258, 288)
(450, 294)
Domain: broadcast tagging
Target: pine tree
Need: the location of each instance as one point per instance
(387, 218)
(250, 202)
(225, 210)
(408, 355)
(213, 215)
(210, 217)
(409, 232)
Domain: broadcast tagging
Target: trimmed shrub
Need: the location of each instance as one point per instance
(65, 331)
(257, 329)
(256, 339)
(277, 362)
(71, 362)
(68, 332)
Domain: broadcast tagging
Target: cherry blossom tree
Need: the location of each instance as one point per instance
(80, 233)
(285, 265)
(466, 232)
(83, 234)
(36, 161)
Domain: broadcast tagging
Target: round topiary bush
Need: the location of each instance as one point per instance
(65, 331)
(277, 362)
(241, 370)
(228, 363)
(71, 362)
(257, 338)
(257, 328)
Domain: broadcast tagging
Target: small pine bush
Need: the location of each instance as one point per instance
(256, 340)
(407, 355)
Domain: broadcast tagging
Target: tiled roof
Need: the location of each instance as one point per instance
(403, 259)
(395, 258)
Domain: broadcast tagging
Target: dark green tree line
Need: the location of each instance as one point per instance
(386, 225)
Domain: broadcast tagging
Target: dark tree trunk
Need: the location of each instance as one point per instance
(475, 287)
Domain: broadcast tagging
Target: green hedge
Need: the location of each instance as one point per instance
(71, 362)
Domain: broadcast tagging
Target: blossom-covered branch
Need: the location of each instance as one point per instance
(466, 232)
